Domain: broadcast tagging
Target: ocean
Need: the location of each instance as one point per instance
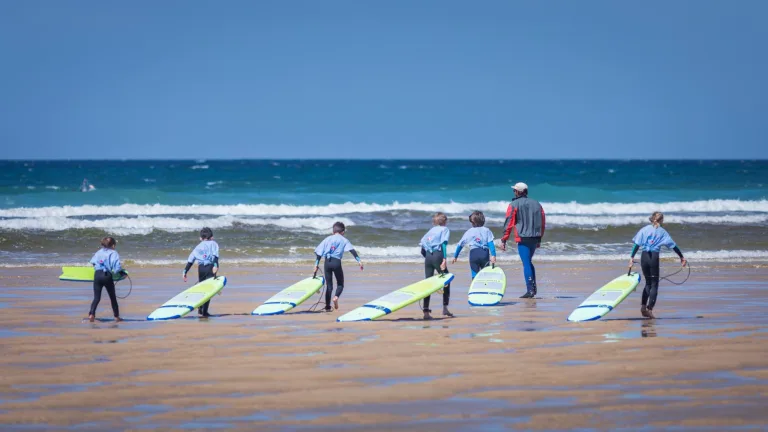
(265, 211)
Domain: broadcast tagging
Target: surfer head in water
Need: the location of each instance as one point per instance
(106, 262)
(332, 248)
(434, 249)
(207, 255)
(481, 248)
(651, 238)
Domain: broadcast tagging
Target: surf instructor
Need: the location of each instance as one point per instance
(525, 217)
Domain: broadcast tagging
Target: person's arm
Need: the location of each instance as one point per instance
(492, 250)
(457, 252)
(317, 260)
(512, 220)
(191, 260)
(683, 261)
(215, 264)
(116, 267)
(444, 248)
(357, 257)
(635, 247)
(543, 221)
(423, 252)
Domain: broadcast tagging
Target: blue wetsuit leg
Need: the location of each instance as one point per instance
(526, 248)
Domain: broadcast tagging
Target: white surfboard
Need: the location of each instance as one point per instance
(290, 297)
(487, 287)
(397, 300)
(606, 298)
(189, 300)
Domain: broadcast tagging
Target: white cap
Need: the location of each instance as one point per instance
(520, 187)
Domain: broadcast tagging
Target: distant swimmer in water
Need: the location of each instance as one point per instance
(86, 186)
(651, 238)
(106, 262)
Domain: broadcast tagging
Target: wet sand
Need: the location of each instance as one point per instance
(702, 365)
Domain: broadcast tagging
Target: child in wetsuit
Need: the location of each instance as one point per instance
(651, 238)
(106, 262)
(207, 255)
(332, 248)
(482, 251)
(434, 249)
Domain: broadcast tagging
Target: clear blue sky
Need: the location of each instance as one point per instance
(383, 79)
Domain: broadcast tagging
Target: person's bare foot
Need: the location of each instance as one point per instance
(427, 316)
(91, 318)
(336, 302)
(118, 319)
(644, 311)
(650, 314)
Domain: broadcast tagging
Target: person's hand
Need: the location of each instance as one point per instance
(631, 262)
(443, 265)
(453, 261)
(361, 265)
(185, 277)
(215, 270)
(504, 246)
(493, 260)
(683, 262)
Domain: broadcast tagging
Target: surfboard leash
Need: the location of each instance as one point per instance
(130, 288)
(667, 277)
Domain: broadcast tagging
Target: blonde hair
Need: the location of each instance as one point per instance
(657, 218)
(439, 219)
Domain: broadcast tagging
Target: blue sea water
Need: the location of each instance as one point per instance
(277, 210)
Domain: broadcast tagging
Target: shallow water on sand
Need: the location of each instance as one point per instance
(701, 365)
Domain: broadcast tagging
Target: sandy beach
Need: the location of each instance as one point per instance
(701, 365)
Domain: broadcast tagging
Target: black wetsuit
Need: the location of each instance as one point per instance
(649, 262)
(332, 267)
(204, 272)
(432, 263)
(103, 279)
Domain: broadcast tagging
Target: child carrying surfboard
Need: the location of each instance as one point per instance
(207, 255)
(651, 238)
(332, 248)
(482, 251)
(106, 262)
(434, 249)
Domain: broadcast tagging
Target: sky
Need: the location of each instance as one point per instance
(173, 79)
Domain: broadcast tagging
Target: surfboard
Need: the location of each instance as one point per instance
(488, 287)
(189, 300)
(290, 297)
(397, 300)
(83, 274)
(606, 298)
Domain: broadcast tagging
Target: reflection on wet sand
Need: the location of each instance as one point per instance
(701, 364)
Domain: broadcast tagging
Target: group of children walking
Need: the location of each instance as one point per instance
(523, 217)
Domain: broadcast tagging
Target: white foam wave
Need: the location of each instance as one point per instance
(602, 221)
(510, 261)
(196, 167)
(493, 207)
(143, 225)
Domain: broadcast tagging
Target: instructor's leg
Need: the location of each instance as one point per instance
(525, 256)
